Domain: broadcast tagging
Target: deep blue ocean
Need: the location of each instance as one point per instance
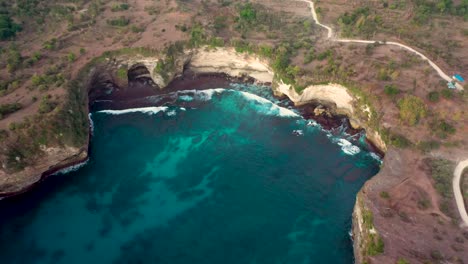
(217, 176)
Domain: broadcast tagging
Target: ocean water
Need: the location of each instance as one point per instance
(217, 176)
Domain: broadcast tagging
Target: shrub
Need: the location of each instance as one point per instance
(398, 140)
(120, 7)
(447, 94)
(6, 109)
(248, 13)
(122, 73)
(385, 195)
(427, 146)
(119, 22)
(324, 55)
(424, 204)
(71, 57)
(441, 171)
(219, 23)
(46, 105)
(433, 96)
(442, 129)
(136, 29)
(402, 261)
(197, 35)
(310, 56)
(391, 90)
(216, 42)
(412, 109)
(376, 245)
(8, 28)
(266, 51)
(51, 44)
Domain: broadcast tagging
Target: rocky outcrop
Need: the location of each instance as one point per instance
(234, 64)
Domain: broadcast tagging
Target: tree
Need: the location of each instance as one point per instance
(412, 109)
(8, 28)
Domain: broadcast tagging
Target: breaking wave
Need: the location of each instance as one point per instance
(146, 110)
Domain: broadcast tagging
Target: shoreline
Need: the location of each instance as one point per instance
(193, 81)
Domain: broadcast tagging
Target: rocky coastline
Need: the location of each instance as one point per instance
(330, 105)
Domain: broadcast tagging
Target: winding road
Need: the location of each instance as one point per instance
(461, 165)
(457, 174)
(332, 37)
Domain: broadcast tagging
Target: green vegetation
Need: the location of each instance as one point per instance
(376, 245)
(402, 261)
(8, 28)
(248, 13)
(137, 29)
(310, 56)
(35, 57)
(391, 90)
(385, 195)
(120, 7)
(395, 139)
(447, 94)
(167, 66)
(71, 57)
(373, 243)
(425, 9)
(427, 146)
(433, 96)
(412, 109)
(442, 173)
(424, 204)
(48, 79)
(122, 73)
(47, 105)
(14, 59)
(197, 35)
(119, 22)
(8, 86)
(7, 109)
(442, 129)
(219, 23)
(360, 21)
(52, 44)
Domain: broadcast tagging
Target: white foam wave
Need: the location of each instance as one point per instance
(91, 124)
(72, 168)
(348, 147)
(183, 109)
(376, 157)
(186, 98)
(274, 109)
(171, 113)
(146, 110)
(201, 95)
(298, 132)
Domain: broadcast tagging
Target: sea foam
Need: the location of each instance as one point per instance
(348, 147)
(72, 168)
(273, 108)
(146, 110)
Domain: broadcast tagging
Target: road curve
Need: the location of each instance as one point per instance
(331, 36)
(457, 190)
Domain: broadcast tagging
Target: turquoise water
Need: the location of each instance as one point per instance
(218, 176)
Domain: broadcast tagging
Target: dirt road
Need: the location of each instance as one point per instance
(332, 37)
(457, 190)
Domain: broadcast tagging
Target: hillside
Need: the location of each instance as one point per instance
(45, 84)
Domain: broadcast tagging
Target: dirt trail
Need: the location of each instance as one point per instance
(457, 190)
(332, 37)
